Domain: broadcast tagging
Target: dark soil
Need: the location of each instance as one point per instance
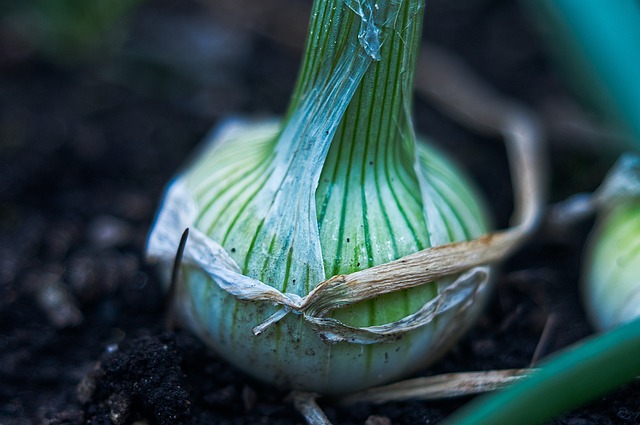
(87, 144)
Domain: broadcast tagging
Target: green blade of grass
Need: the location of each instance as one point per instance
(581, 373)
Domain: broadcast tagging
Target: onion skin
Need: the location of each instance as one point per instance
(289, 354)
(340, 186)
(612, 268)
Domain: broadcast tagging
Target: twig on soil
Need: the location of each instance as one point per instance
(447, 385)
(543, 342)
(305, 403)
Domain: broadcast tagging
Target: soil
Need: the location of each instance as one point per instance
(87, 144)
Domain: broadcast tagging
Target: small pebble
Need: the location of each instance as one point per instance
(249, 398)
(111, 348)
(107, 231)
(93, 276)
(377, 420)
(56, 301)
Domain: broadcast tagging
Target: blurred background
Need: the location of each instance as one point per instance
(68, 64)
(102, 101)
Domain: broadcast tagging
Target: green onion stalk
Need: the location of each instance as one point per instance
(305, 262)
(596, 45)
(569, 379)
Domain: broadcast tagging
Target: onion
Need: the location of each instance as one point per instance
(321, 254)
(612, 268)
(611, 281)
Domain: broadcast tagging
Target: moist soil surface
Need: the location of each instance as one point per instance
(88, 142)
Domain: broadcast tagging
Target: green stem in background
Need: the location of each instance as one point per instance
(69, 31)
(597, 42)
(579, 374)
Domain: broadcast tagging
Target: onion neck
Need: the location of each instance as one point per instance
(368, 192)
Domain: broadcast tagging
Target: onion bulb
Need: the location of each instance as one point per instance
(282, 213)
(612, 275)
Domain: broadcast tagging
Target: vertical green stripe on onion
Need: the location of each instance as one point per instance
(324, 251)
